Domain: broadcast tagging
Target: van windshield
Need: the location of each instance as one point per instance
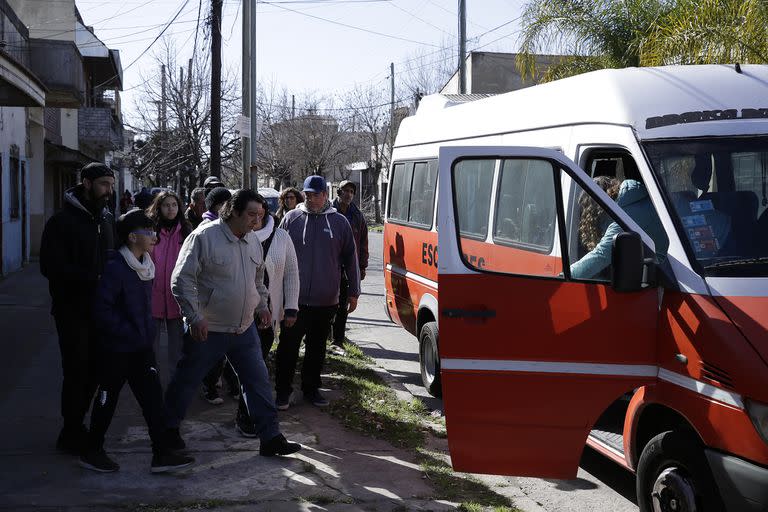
(718, 189)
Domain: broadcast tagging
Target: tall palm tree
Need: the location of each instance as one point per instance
(709, 32)
(589, 34)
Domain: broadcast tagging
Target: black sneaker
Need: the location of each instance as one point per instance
(212, 396)
(167, 462)
(278, 445)
(245, 427)
(98, 460)
(316, 399)
(173, 440)
(283, 401)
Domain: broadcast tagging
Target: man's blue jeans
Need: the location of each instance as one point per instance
(244, 352)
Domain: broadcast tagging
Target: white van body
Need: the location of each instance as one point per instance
(702, 372)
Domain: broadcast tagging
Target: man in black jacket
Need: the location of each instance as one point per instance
(73, 252)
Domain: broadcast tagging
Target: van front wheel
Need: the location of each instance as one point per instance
(673, 474)
(429, 359)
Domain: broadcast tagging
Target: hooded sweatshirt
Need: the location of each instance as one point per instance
(73, 252)
(634, 200)
(324, 243)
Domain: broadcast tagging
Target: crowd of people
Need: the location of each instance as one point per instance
(225, 278)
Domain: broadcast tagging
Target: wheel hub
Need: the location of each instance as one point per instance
(673, 491)
(430, 361)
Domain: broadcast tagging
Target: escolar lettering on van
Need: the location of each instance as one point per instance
(705, 115)
(429, 254)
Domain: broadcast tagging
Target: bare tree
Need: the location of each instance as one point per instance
(368, 117)
(174, 145)
(427, 72)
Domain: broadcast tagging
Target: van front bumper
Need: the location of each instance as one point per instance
(743, 485)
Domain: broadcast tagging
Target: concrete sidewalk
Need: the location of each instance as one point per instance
(336, 470)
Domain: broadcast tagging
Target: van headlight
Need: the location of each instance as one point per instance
(759, 414)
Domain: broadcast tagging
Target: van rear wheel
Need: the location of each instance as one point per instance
(673, 475)
(429, 359)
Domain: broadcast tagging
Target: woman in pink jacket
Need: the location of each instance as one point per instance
(172, 228)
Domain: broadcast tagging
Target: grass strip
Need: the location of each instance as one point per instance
(371, 407)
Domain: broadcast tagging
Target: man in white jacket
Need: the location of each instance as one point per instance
(219, 283)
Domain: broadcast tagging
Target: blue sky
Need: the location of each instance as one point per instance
(304, 45)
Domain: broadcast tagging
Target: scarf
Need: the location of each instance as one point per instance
(266, 230)
(144, 269)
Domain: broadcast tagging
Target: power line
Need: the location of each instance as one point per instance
(353, 27)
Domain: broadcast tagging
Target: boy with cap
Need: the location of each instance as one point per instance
(73, 252)
(122, 312)
(324, 244)
(345, 205)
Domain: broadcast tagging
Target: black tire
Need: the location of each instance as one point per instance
(674, 463)
(429, 359)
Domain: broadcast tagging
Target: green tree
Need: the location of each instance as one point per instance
(709, 32)
(598, 34)
(589, 34)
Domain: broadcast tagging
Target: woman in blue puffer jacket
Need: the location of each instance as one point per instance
(634, 200)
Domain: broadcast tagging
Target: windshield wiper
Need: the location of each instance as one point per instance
(739, 262)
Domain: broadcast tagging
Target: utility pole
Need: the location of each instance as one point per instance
(293, 106)
(391, 108)
(180, 178)
(254, 177)
(246, 95)
(462, 46)
(216, 88)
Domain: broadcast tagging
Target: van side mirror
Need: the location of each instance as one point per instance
(628, 263)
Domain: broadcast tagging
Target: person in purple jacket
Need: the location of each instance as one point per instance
(324, 244)
(122, 314)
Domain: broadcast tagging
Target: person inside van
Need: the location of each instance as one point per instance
(632, 197)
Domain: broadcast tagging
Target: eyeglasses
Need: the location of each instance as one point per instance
(145, 232)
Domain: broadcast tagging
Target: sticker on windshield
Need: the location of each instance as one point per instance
(707, 246)
(702, 206)
(692, 221)
(700, 232)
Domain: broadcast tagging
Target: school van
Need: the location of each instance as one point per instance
(602, 274)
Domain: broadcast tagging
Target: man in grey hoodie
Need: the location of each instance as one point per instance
(324, 243)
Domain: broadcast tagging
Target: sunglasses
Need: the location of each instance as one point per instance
(145, 232)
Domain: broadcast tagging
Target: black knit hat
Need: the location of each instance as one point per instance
(216, 196)
(95, 170)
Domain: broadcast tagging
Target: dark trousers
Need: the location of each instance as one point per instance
(244, 352)
(313, 324)
(79, 383)
(267, 336)
(340, 322)
(224, 369)
(139, 369)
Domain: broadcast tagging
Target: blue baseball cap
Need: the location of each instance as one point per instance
(315, 184)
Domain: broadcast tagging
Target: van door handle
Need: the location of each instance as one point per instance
(469, 313)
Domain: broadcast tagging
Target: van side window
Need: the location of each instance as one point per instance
(473, 180)
(525, 240)
(400, 186)
(423, 193)
(525, 205)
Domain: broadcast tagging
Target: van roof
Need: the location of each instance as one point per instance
(657, 102)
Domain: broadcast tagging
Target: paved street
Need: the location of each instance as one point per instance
(337, 468)
(601, 486)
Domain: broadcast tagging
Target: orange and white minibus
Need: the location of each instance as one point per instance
(603, 277)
